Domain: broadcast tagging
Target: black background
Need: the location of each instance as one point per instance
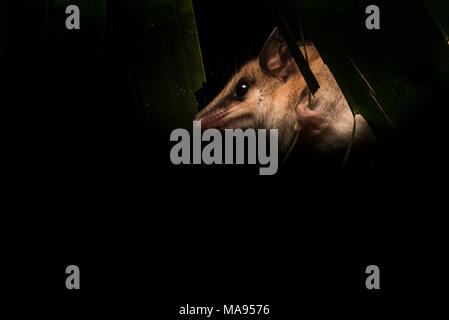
(150, 237)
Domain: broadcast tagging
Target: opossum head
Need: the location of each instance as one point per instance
(262, 94)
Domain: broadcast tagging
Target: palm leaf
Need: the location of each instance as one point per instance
(162, 52)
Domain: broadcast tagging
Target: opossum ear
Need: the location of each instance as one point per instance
(275, 58)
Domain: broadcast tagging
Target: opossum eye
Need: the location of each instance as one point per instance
(242, 88)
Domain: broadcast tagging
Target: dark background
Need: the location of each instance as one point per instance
(151, 238)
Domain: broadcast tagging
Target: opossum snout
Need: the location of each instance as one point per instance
(231, 116)
(212, 119)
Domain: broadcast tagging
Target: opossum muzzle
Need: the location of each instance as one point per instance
(223, 119)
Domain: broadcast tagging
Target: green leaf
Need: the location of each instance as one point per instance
(163, 57)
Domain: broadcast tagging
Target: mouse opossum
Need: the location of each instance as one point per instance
(269, 92)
